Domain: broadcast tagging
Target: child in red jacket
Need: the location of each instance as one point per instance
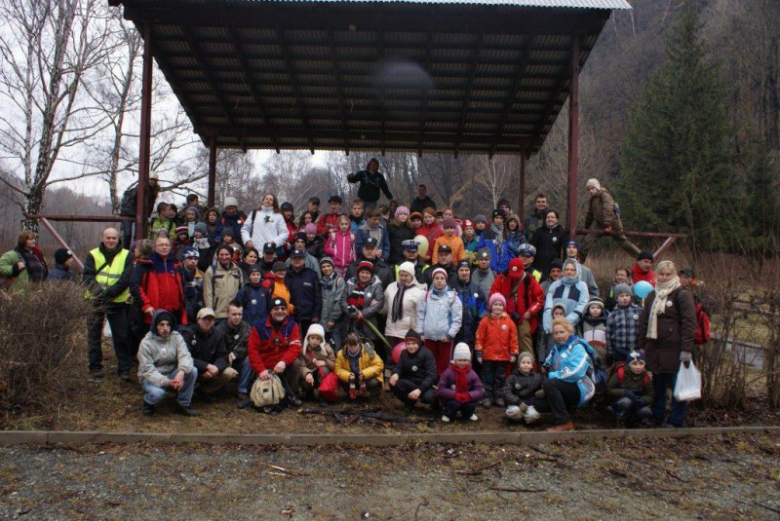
(496, 347)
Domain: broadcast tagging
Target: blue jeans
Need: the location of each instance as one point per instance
(451, 408)
(127, 234)
(154, 394)
(660, 384)
(244, 374)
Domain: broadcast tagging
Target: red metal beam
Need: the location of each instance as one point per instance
(665, 246)
(574, 133)
(212, 171)
(61, 241)
(521, 196)
(643, 235)
(82, 218)
(145, 151)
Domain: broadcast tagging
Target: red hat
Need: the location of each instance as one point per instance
(516, 267)
(365, 265)
(468, 223)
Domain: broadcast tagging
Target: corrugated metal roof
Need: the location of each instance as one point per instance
(583, 4)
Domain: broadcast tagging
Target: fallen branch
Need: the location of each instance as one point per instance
(518, 490)
(756, 503)
(477, 470)
(291, 472)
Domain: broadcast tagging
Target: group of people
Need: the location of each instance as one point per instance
(446, 312)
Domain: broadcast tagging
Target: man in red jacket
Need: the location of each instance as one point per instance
(524, 300)
(274, 345)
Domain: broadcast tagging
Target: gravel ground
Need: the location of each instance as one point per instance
(723, 477)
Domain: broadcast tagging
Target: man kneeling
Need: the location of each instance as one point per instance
(164, 363)
(415, 373)
(360, 370)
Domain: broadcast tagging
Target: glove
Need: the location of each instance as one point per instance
(516, 317)
(540, 394)
(608, 230)
(685, 356)
(479, 356)
(463, 397)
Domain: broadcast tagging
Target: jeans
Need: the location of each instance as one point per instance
(127, 233)
(244, 374)
(559, 396)
(625, 409)
(660, 383)
(402, 389)
(452, 407)
(117, 319)
(154, 394)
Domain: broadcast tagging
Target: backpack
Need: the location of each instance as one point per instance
(703, 332)
(620, 369)
(596, 373)
(266, 393)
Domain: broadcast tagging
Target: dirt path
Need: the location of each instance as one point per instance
(726, 477)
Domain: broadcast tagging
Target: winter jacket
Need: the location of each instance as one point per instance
(430, 232)
(271, 342)
(236, 221)
(130, 200)
(640, 384)
(594, 332)
(572, 294)
(305, 293)
(379, 233)
(370, 185)
(484, 279)
(327, 223)
(264, 226)
(60, 273)
(676, 332)
(533, 221)
(309, 354)
(156, 284)
(206, 348)
(256, 301)
(341, 248)
(381, 270)
(369, 364)
(570, 362)
(310, 263)
(355, 223)
(585, 275)
(500, 253)
(332, 290)
(398, 234)
(604, 211)
(623, 331)
(497, 338)
(521, 387)
(193, 292)
(236, 338)
(316, 248)
(549, 246)
(529, 297)
(220, 287)
(474, 308)
(638, 275)
(418, 368)
(408, 320)
(452, 274)
(439, 314)
(372, 296)
(456, 245)
(445, 389)
(158, 357)
(162, 223)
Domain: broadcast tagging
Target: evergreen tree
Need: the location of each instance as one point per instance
(677, 174)
(763, 213)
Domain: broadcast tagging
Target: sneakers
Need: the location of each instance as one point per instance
(294, 401)
(148, 409)
(125, 377)
(243, 401)
(187, 411)
(446, 419)
(531, 414)
(473, 417)
(561, 428)
(499, 402)
(486, 403)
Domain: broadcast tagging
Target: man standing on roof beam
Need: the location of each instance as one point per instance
(371, 183)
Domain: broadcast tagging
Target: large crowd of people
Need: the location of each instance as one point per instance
(443, 311)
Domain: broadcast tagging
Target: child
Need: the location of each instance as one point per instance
(214, 226)
(459, 387)
(191, 218)
(496, 346)
(314, 243)
(362, 300)
(182, 241)
(373, 228)
(332, 288)
(621, 277)
(317, 359)
(470, 241)
(232, 216)
(415, 373)
(594, 327)
(480, 225)
(254, 297)
(229, 238)
(206, 247)
(274, 281)
(356, 220)
(163, 221)
(450, 239)
(340, 246)
(622, 326)
(359, 369)
(520, 387)
(632, 391)
(429, 229)
(545, 341)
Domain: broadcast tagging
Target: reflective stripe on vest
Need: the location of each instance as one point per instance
(110, 275)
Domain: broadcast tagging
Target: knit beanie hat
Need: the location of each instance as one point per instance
(279, 266)
(401, 210)
(479, 218)
(194, 209)
(326, 260)
(231, 201)
(202, 228)
(556, 263)
(449, 222)
(595, 301)
(439, 270)
(623, 288)
(413, 334)
(310, 228)
(182, 230)
(62, 255)
(594, 183)
(407, 267)
(496, 297)
(525, 354)
(499, 213)
(365, 266)
(190, 253)
(645, 255)
(461, 352)
(230, 231)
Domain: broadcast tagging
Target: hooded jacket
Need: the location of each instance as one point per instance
(570, 362)
(156, 284)
(323, 352)
(439, 314)
(158, 357)
(497, 338)
(521, 387)
(572, 294)
(603, 210)
(220, 287)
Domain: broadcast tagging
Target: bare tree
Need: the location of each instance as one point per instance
(496, 175)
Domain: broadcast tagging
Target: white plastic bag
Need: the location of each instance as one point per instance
(688, 386)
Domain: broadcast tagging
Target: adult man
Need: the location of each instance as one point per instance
(268, 259)
(535, 218)
(445, 262)
(129, 206)
(236, 331)
(63, 262)
(483, 276)
(410, 248)
(524, 300)
(192, 280)
(107, 272)
(305, 292)
(329, 222)
(583, 272)
(527, 252)
(274, 346)
(422, 201)
(643, 268)
(371, 253)
(473, 299)
(371, 183)
(209, 355)
(604, 215)
(313, 207)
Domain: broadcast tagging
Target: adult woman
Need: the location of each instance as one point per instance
(248, 259)
(399, 231)
(24, 264)
(222, 282)
(265, 225)
(303, 220)
(401, 300)
(569, 381)
(666, 332)
(156, 283)
(569, 292)
(548, 240)
(289, 221)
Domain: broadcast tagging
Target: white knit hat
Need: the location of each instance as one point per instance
(462, 352)
(593, 182)
(231, 201)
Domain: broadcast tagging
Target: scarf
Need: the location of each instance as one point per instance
(499, 233)
(662, 292)
(357, 296)
(461, 380)
(36, 267)
(397, 311)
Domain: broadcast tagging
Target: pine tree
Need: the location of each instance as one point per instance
(677, 174)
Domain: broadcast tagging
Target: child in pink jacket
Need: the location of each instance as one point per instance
(340, 246)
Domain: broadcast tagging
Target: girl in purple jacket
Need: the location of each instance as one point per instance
(459, 387)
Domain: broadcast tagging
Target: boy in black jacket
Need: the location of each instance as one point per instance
(415, 373)
(520, 387)
(631, 388)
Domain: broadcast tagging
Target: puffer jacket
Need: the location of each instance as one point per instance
(570, 362)
(158, 356)
(676, 331)
(439, 314)
(369, 364)
(521, 387)
(497, 338)
(572, 294)
(341, 247)
(373, 298)
(445, 390)
(408, 321)
(332, 289)
(206, 348)
(220, 286)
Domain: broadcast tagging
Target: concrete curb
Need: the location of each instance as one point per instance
(49, 438)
